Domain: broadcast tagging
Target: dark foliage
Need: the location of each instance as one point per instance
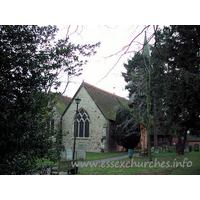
(174, 82)
(127, 133)
(178, 47)
(30, 60)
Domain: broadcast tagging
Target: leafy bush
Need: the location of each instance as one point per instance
(127, 132)
(30, 61)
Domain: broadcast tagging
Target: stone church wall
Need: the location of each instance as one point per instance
(97, 121)
(56, 117)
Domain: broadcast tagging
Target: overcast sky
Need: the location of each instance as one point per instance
(113, 38)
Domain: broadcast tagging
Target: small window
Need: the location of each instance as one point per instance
(83, 121)
(50, 126)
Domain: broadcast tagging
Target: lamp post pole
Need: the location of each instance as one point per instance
(77, 100)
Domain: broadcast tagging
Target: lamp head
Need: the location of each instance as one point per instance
(77, 100)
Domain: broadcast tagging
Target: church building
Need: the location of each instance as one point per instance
(96, 119)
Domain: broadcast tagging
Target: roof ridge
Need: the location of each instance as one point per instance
(104, 90)
(106, 102)
(66, 97)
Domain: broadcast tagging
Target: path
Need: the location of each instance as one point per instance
(114, 158)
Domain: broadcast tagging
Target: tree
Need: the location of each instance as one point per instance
(31, 60)
(127, 133)
(138, 76)
(178, 48)
(158, 91)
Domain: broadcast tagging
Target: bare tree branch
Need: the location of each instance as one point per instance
(75, 30)
(65, 87)
(67, 35)
(111, 27)
(127, 47)
(80, 32)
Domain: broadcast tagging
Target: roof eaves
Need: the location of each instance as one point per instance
(93, 98)
(62, 103)
(103, 105)
(72, 99)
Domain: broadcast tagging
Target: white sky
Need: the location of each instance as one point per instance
(113, 38)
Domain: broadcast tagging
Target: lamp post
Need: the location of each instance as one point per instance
(77, 101)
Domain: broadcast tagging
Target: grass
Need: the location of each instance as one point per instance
(91, 156)
(163, 164)
(97, 156)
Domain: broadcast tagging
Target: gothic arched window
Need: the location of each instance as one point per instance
(83, 120)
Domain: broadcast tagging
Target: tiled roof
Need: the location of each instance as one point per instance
(108, 103)
(192, 138)
(62, 103)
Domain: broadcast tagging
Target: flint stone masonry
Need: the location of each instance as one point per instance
(100, 108)
(97, 121)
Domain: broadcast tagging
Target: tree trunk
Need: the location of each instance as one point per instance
(155, 137)
(155, 125)
(149, 142)
(149, 115)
